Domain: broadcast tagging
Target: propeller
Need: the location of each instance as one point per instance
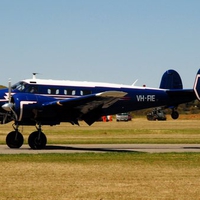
(9, 90)
(8, 106)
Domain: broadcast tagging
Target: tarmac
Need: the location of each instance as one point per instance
(103, 148)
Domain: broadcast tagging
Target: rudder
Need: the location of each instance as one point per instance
(197, 85)
(171, 80)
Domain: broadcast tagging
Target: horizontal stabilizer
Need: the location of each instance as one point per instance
(171, 80)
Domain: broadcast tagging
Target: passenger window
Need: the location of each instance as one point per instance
(49, 91)
(73, 92)
(69, 92)
(53, 91)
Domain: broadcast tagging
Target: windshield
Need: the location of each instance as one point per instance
(19, 86)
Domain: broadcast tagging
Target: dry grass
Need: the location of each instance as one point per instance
(105, 176)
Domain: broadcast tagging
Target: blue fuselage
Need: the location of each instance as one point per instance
(28, 97)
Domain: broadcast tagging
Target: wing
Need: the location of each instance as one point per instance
(86, 107)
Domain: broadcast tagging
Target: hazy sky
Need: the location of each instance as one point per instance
(115, 41)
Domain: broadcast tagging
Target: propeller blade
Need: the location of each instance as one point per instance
(9, 91)
(8, 106)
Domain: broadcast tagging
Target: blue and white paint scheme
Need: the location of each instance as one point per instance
(49, 102)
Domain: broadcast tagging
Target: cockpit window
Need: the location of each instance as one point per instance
(19, 86)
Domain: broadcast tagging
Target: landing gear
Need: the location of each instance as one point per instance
(37, 139)
(174, 114)
(14, 139)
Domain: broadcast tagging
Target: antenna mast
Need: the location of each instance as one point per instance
(34, 75)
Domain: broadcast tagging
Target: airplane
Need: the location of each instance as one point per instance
(39, 102)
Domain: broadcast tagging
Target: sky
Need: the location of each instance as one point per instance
(115, 41)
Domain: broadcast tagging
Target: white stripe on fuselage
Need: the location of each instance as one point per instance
(68, 83)
(22, 103)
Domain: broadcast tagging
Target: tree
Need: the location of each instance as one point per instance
(2, 86)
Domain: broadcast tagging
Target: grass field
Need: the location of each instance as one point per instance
(139, 130)
(105, 175)
(100, 176)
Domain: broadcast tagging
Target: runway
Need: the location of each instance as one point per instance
(103, 148)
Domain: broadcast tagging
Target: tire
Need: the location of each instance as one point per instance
(37, 140)
(175, 115)
(14, 139)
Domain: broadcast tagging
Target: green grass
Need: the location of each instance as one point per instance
(175, 159)
(138, 131)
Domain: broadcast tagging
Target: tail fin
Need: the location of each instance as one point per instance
(171, 80)
(197, 85)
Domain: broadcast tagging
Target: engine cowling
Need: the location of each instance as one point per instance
(24, 106)
(28, 109)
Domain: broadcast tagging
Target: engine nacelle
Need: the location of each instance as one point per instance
(28, 109)
(24, 106)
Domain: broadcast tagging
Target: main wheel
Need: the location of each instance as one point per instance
(37, 140)
(175, 115)
(14, 139)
